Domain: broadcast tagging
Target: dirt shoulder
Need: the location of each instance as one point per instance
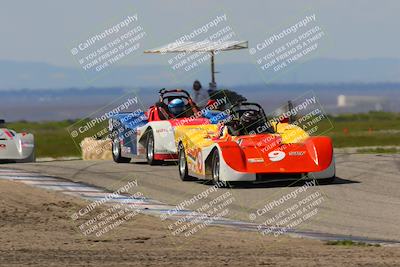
(36, 229)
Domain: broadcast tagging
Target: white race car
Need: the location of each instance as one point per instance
(18, 147)
(150, 135)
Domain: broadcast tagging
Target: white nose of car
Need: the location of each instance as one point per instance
(19, 147)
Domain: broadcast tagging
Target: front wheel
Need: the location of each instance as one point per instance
(215, 166)
(150, 150)
(216, 171)
(116, 152)
(182, 163)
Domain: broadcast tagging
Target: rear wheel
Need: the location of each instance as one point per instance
(116, 151)
(182, 163)
(327, 176)
(150, 150)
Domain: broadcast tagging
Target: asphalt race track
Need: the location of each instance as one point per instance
(364, 200)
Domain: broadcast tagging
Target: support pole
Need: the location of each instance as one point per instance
(212, 68)
(292, 118)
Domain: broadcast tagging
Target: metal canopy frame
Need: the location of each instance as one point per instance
(200, 47)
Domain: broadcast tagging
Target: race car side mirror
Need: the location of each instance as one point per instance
(284, 120)
(276, 126)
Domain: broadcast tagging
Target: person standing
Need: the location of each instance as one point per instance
(200, 96)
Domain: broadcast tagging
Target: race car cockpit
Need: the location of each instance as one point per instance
(248, 118)
(172, 104)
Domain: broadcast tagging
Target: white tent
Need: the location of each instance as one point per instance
(202, 47)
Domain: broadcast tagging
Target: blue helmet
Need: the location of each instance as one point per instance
(176, 106)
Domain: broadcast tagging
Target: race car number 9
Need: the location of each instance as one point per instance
(276, 155)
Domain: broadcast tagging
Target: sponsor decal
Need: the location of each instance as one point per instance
(26, 144)
(126, 149)
(199, 161)
(276, 155)
(162, 131)
(196, 159)
(255, 160)
(8, 133)
(296, 153)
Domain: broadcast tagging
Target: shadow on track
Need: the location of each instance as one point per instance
(274, 184)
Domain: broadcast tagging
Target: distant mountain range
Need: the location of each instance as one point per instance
(73, 103)
(19, 75)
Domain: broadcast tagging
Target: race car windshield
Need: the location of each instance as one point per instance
(248, 118)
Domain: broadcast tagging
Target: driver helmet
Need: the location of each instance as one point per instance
(249, 118)
(176, 106)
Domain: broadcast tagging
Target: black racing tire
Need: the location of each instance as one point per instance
(215, 169)
(182, 164)
(150, 150)
(116, 151)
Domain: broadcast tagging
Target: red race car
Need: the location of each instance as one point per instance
(150, 135)
(252, 148)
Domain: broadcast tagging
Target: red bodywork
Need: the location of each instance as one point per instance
(159, 111)
(251, 154)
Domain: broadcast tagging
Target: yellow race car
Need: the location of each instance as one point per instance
(248, 147)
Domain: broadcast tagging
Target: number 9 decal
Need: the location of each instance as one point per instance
(276, 155)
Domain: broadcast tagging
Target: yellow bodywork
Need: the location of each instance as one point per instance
(201, 135)
(290, 133)
(195, 138)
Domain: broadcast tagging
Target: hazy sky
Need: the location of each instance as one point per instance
(44, 31)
